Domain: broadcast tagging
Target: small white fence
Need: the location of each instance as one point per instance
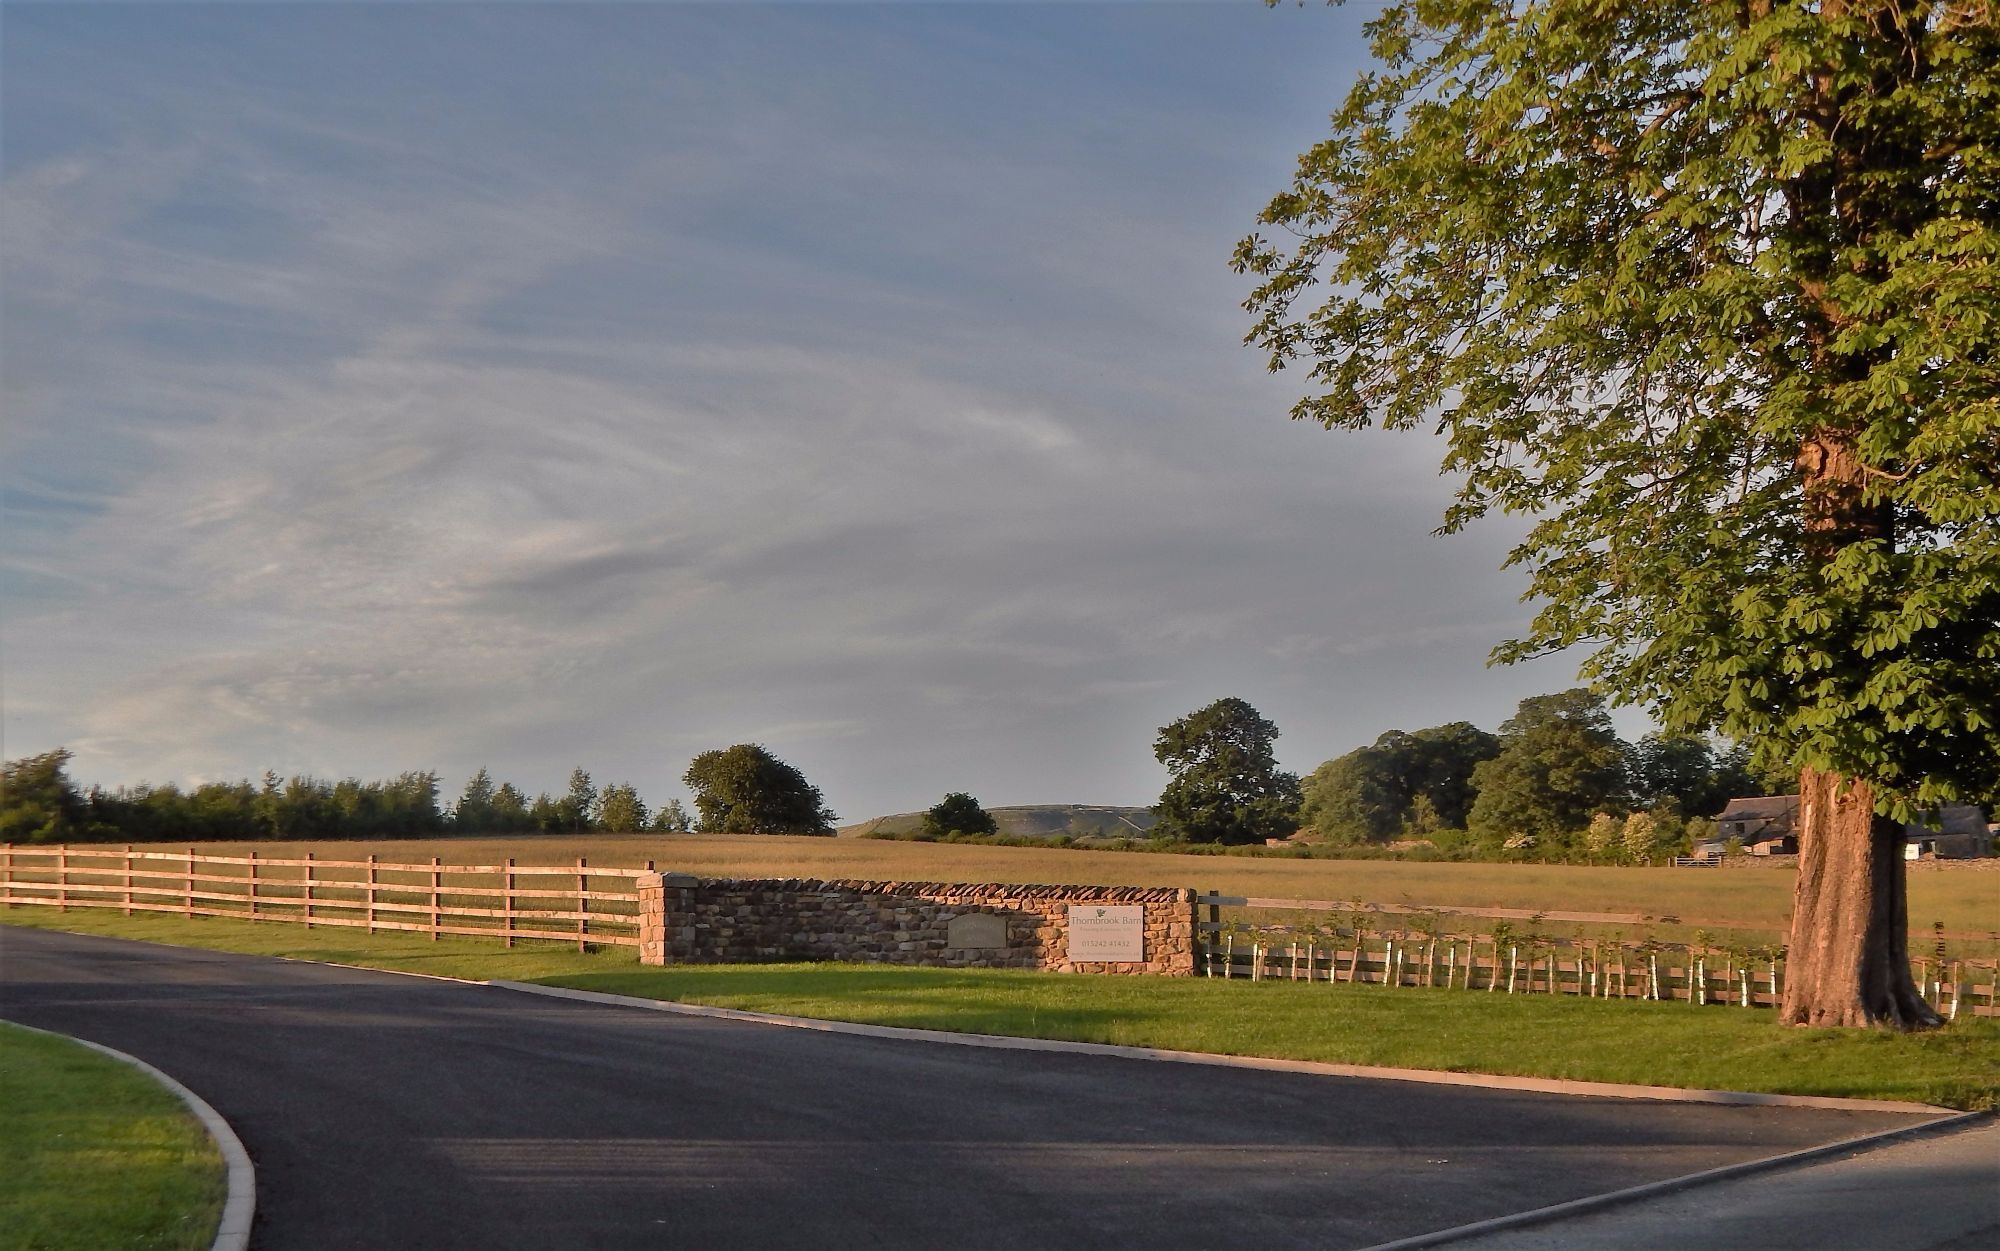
(1405, 945)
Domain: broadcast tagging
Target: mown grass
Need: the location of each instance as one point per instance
(95, 1155)
(1463, 1031)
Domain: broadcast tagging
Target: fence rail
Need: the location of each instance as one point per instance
(476, 900)
(1213, 901)
(1537, 964)
(570, 903)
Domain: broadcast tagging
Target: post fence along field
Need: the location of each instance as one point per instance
(1604, 955)
(1395, 945)
(571, 903)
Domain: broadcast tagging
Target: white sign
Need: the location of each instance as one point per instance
(1107, 934)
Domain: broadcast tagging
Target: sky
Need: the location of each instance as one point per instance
(534, 386)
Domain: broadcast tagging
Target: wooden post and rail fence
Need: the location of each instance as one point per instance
(1390, 945)
(572, 903)
(1395, 945)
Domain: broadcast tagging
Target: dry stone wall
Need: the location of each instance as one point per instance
(688, 920)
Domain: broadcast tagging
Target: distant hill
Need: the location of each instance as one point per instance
(1032, 821)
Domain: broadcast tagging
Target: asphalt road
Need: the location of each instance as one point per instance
(1933, 1193)
(396, 1112)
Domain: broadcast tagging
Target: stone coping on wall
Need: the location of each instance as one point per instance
(986, 890)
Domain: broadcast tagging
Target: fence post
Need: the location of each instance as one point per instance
(190, 884)
(370, 895)
(128, 879)
(309, 890)
(253, 884)
(653, 939)
(437, 882)
(582, 903)
(9, 866)
(507, 900)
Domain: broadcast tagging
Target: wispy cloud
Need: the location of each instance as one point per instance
(365, 415)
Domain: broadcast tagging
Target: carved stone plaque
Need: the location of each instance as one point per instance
(1107, 933)
(976, 930)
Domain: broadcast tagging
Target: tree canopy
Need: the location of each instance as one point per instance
(1559, 763)
(958, 813)
(620, 810)
(1372, 793)
(38, 803)
(1226, 785)
(746, 790)
(1714, 291)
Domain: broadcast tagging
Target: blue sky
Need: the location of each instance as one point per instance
(537, 385)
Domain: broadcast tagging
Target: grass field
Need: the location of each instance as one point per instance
(1540, 1036)
(95, 1155)
(1964, 900)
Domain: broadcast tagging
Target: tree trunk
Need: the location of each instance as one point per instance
(1849, 962)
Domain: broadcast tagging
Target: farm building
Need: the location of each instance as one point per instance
(1961, 833)
(1768, 826)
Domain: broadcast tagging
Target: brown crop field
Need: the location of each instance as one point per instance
(1964, 899)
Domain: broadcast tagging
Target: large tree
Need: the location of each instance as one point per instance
(620, 810)
(578, 805)
(1559, 763)
(38, 802)
(746, 790)
(1685, 772)
(1713, 292)
(1372, 793)
(474, 812)
(958, 813)
(1226, 786)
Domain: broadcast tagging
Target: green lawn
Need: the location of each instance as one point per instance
(95, 1155)
(1541, 1036)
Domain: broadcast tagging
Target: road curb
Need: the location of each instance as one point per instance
(1433, 1077)
(1653, 1190)
(239, 1204)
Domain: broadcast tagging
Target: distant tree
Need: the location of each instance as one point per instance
(1698, 830)
(1602, 834)
(672, 818)
(224, 810)
(1641, 837)
(1559, 762)
(509, 811)
(746, 790)
(1361, 797)
(1689, 773)
(142, 814)
(958, 813)
(1372, 793)
(547, 815)
(475, 806)
(620, 810)
(306, 809)
(1226, 786)
(38, 802)
(579, 804)
(411, 803)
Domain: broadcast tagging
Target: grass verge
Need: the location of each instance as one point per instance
(94, 1154)
(1662, 1044)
